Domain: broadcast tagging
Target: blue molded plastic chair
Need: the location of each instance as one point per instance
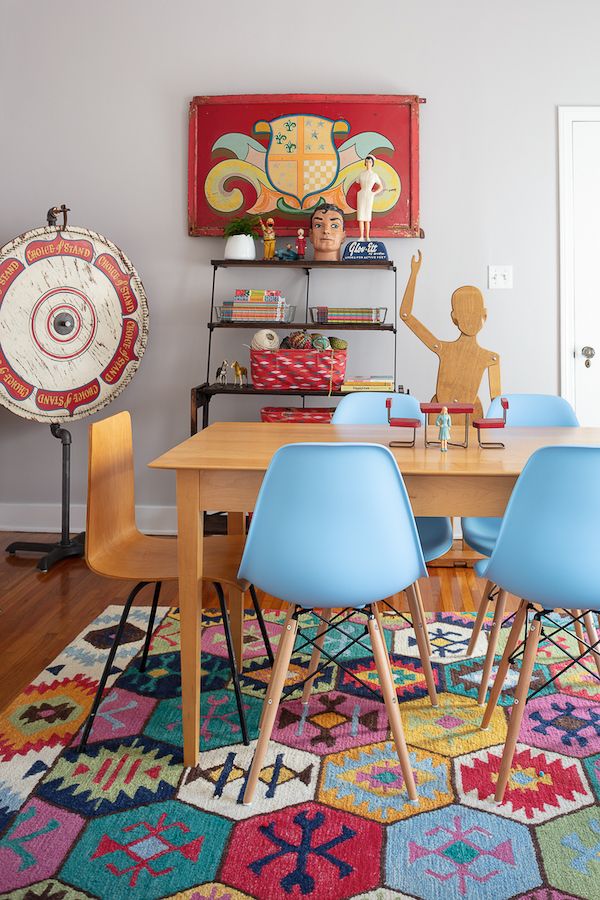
(333, 527)
(435, 532)
(481, 533)
(546, 551)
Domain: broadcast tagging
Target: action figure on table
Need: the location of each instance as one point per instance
(444, 421)
(268, 230)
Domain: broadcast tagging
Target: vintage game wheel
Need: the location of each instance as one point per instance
(73, 323)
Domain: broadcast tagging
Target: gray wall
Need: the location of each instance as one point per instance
(94, 114)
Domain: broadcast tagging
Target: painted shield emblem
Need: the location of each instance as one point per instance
(302, 160)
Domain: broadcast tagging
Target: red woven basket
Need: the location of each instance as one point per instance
(310, 370)
(320, 414)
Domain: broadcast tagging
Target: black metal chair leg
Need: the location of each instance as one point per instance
(150, 626)
(108, 665)
(232, 663)
(261, 623)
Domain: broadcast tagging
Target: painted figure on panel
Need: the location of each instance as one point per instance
(370, 185)
(463, 363)
(327, 232)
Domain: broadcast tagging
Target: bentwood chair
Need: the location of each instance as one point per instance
(115, 548)
(546, 553)
(481, 533)
(364, 548)
(435, 532)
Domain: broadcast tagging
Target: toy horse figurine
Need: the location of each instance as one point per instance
(241, 372)
(221, 375)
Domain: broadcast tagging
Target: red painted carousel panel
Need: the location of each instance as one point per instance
(282, 154)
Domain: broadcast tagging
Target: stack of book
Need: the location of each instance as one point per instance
(368, 383)
(252, 306)
(329, 315)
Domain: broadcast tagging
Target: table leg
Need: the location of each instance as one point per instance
(236, 524)
(189, 560)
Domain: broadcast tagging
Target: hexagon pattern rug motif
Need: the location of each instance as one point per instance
(331, 818)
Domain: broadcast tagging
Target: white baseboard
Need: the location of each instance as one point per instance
(47, 517)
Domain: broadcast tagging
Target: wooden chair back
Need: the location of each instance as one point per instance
(111, 499)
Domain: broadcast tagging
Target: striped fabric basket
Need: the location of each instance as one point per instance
(320, 414)
(300, 370)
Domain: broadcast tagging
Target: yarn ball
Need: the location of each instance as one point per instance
(300, 340)
(285, 344)
(320, 342)
(338, 343)
(265, 340)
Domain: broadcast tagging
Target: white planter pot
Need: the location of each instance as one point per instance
(240, 246)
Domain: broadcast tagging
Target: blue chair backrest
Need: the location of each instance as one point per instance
(534, 411)
(366, 408)
(547, 548)
(332, 527)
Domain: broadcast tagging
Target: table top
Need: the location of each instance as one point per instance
(251, 445)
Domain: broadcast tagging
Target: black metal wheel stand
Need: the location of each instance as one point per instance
(67, 546)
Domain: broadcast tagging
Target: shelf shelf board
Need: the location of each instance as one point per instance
(312, 326)
(216, 388)
(303, 264)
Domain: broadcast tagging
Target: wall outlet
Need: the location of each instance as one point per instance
(500, 277)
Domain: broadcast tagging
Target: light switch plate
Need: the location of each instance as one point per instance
(500, 277)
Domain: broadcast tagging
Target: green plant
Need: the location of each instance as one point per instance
(243, 225)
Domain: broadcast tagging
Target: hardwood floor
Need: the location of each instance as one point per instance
(41, 614)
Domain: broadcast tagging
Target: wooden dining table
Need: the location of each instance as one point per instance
(222, 467)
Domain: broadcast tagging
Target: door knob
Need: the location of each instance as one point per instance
(589, 354)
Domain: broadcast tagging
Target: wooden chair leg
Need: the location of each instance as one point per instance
(419, 627)
(513, 640)
(379, 617)
(289, 614)
(484, 605)
(316, 655)
(423, 616)
(278, 674)
(578, 630)
(491, 648)
(388, 690)
(518, 708)
(592, 637)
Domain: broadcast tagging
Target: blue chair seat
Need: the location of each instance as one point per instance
(435, 534)
(480, 533)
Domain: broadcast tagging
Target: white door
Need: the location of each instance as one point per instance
(579, 148)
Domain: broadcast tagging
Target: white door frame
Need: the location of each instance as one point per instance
(567, 115)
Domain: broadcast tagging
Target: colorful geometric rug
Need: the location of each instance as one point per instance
(331, 818)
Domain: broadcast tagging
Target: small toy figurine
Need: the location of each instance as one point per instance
(288, 253)
(367, 180)
(268, 230)
(241, 372)
(301, 244)
(444, 421)
(327, 232)
(221, 375)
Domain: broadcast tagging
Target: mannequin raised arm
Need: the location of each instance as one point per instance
(406, 306)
